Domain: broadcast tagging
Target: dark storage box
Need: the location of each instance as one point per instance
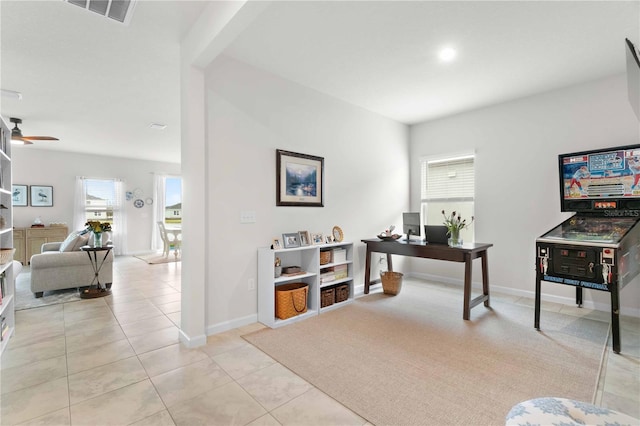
(327, 296)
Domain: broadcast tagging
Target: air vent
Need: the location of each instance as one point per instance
(118, 10)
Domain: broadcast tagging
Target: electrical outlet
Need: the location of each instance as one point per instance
(252, 284)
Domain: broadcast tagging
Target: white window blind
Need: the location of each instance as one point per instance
(450, 179)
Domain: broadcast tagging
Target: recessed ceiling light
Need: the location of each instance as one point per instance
(447, 54)
(11, 94)
(157, 126)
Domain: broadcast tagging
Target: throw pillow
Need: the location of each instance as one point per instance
(82, 240)
(70, 242)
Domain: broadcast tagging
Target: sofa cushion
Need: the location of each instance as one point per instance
(74, 241)
(83, 240)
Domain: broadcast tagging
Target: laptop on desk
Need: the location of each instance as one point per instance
(436, 234)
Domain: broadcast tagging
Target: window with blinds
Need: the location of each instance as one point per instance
(448, 179)
(448, 184)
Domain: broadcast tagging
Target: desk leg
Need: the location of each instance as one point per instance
(367, 271)
(389, 264)
(485, 278)
(466, 310)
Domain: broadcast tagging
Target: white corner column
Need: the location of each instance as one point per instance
(218, 25)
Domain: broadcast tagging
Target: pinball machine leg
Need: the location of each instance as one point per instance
(536, 322)
(579, 297)
(615, 318)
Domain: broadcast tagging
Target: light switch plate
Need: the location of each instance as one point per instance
(247, 216)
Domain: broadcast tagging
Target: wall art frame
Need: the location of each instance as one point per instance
(41, 195)
(299, 179)
(19, 195)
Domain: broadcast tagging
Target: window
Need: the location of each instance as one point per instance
(100, 199)
(448, 183)
(173, 201)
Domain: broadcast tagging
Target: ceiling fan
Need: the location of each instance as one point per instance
(17, 138)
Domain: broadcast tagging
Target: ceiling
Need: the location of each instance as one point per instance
(97, 85)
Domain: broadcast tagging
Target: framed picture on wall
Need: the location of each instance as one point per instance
(41, 196)
(19, 195)
(299, 179)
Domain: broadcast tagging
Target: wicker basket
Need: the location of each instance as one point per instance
(342, 293)
(6, 255)
(325, 257)
(291, 299)
(327, 295)
(391, 282)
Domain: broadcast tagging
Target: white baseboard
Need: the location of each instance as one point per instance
(231, 324)
(192, 342)
(569, 301)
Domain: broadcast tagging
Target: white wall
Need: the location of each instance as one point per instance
(59, 169)
(252, 113)
(517, 190)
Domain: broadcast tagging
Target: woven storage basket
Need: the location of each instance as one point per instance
(291, 299)
(6, 255)
(327, 295)
(325, 257)
(342, 293)
(391, 282)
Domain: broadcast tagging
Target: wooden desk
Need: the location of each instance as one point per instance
(465, 254)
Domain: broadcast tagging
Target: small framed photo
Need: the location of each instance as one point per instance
(19, 195)
(41, 196)
(276, 244)
(317, 238)
(291, 240)
(304, 238)
(328, 239)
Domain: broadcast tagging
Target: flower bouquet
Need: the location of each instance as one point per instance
(97, 228)
(454, 225)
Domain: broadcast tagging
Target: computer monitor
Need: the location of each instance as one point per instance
(411, 224)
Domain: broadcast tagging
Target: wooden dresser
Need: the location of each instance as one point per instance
(28, 241)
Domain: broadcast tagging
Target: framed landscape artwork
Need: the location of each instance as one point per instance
(41, 196)
(19, 195)
(299, 179)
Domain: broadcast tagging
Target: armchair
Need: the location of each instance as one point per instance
(53, 269)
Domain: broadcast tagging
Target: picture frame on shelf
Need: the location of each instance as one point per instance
(337, 234)
(299, 179)
(305, 240)
(19, 195)
(317, 238)
(41, 196)
(328, 239)
(291, 240)
(276, 244)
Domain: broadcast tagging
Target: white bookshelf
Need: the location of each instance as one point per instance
(7, 307)
(308, 259)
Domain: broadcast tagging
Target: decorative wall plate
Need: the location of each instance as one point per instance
(149, 201)
(138, 203)
(337, 234)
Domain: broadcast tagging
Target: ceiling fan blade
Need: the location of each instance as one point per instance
(40, 138)
(22, 140)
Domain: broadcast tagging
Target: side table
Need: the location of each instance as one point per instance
(96, 289)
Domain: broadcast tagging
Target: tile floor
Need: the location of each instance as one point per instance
(117, 360)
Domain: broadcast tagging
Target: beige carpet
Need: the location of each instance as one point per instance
(412, 360)
(155, 258)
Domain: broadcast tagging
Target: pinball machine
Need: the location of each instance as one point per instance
(598, 247)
